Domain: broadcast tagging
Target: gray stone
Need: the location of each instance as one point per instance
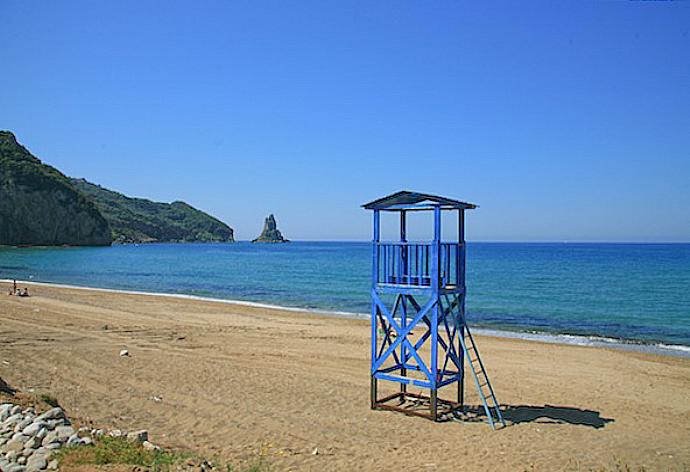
(20, 437)
(52, 424)
(53, 446)
(51, 437)
(36, 463)
(52, 414)
(64, 432)
(53, 465)
(12, 420)
(16, 468)
(86, 441)
(13, 446)
(23, 424)
(36, 455)
(116, 433)
(16, 409)
(73, 440)
(21, 460)
(12, 456)
(34, 428)
(32, 443)
(41, 434)
(149, 446)
(139, 436)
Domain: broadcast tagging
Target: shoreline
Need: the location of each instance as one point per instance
(595, 341)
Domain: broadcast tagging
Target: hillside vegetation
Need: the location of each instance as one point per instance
(142, 220)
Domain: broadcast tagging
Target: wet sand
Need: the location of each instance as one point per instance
(234, 381)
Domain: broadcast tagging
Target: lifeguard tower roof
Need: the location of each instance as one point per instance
(410, 201)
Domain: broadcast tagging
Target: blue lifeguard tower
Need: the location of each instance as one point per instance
(419, 335)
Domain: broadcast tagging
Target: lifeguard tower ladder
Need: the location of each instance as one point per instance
(419, 336)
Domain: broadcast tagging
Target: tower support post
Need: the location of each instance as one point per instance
(374, 307)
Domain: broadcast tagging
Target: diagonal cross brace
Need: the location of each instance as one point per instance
(427, 334)
(387, 336)
(450, 349)
(450, 353)
(402, 335)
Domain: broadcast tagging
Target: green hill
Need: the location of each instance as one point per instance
(141, 220)
(40, 207)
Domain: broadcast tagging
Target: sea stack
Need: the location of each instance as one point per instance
(270, 233)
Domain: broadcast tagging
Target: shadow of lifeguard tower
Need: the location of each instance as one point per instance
(419, 336)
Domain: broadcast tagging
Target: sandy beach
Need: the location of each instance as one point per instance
(234, 381)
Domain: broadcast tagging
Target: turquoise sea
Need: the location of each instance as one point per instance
(635, 293)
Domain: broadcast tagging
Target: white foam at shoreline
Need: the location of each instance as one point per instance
(185, 296)
(549, 338)
(590, 341)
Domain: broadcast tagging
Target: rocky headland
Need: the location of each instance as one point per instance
(40, 206)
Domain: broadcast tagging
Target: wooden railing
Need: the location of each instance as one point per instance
(411, 263)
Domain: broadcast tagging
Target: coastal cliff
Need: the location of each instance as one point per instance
(40, 207)
(270, 233)
(138, 220)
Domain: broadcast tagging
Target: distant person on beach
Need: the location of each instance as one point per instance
(14, 290)
(25, 293)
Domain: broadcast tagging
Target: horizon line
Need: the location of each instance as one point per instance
(491, 241)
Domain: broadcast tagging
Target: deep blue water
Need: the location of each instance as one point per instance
(638, 292)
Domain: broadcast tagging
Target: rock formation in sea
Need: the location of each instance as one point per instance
(40, 207)
(270, 233)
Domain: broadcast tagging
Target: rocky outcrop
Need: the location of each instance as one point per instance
(40, 207)
(270, 233)
(29, 440)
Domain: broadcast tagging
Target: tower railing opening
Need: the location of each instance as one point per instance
(411, 263)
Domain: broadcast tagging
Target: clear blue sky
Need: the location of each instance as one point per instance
(562, 120)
